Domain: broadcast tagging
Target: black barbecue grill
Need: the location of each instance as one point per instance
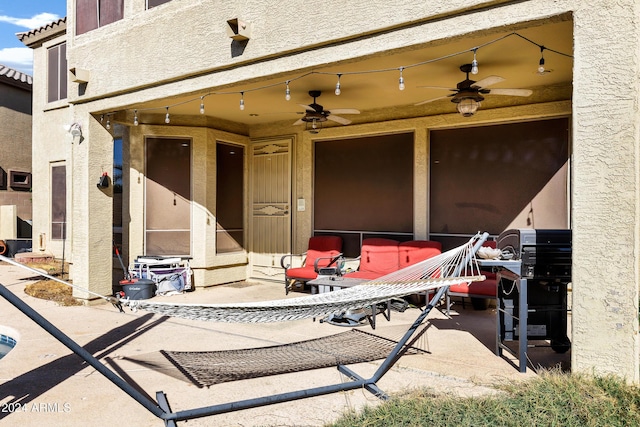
(545, 254)
(532, 290)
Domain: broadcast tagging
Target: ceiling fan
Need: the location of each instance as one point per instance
(468, 93)
(315, 114)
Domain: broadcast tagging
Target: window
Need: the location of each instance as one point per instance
(57, 72)
(92, 14)
(117, 191)
(493, 178)
(168, 196)
(229, 198)
(154, 3)
(58, 202)
(363, 187)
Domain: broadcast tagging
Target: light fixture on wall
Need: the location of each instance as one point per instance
(103, 182)
(75, 130)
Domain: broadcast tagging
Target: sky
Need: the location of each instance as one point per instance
(17, 16)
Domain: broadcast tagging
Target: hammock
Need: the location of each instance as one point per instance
(429, 274)
(207, 368)
(432, 273)
(455, 266)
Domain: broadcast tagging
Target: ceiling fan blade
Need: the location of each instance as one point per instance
(307, 107)
(488, 81)
(298, 122)
(345, 111)
(338, 119)
(431, 100)
(439, 87)
(512, 92)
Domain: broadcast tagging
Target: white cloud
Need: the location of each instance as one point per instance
(18, 58)
(34, 22)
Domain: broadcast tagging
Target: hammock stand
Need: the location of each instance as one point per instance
(161, 408)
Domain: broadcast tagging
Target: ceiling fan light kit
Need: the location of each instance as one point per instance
(468, 107)
(315, 114)
(468, 94)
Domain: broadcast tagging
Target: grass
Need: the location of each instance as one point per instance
(551, 399)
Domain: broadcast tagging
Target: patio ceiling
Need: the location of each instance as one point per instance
(371, 84)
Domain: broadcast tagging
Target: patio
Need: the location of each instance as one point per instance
(50, 385)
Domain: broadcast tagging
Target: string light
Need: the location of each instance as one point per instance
(166, 117)
(474, 63)
(135, 117)
(541, 63)
(401, 83)
(108, 126)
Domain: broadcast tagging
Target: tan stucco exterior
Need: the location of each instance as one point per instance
(15, 140)
(145, 58)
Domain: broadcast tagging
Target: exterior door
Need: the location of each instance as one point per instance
(270, 210)
(168, 196)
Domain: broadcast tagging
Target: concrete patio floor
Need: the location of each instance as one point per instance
(44, 383)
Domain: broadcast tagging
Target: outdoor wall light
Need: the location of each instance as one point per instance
(103, 182)
(75, 130)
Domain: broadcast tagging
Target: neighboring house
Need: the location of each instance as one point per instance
(15, 160)
(187, 102)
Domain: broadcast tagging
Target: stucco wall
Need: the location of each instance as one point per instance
(200, 42)
(15, 140)
(605, 189)
(605, 176)
(51, 143)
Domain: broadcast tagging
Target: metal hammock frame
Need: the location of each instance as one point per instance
(450, 272)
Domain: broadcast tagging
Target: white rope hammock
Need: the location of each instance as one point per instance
(429, 274)
(432, 273)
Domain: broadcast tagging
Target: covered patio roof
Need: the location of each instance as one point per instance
(370, 84)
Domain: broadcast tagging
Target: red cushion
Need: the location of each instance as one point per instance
(325, 243)
(323, 247)
(415, 251)
(302, 273)
(485, 288)
(326, 256)
(379, 256)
